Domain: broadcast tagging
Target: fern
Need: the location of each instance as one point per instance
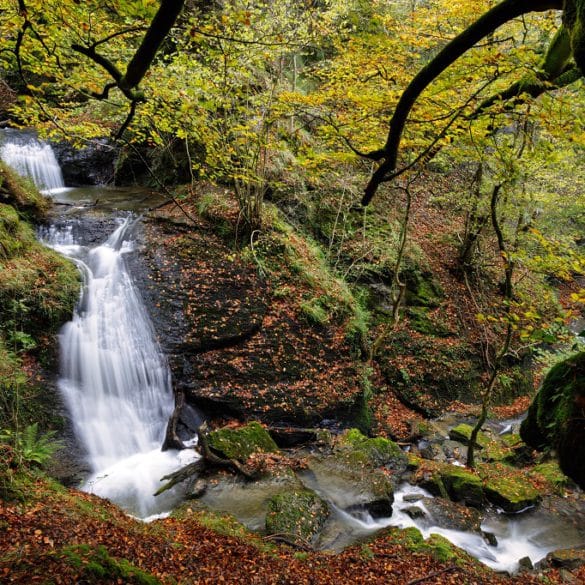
(31, 447)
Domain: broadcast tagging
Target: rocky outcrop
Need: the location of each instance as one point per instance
(92, 165)
(556, 417)
(234, 347)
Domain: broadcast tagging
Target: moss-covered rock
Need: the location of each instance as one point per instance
(240, 443)
(375, 452)
(351, 486)
(299, 515)
(462, 485)
(552, 474)
(22, 194)
(556, 417)
(462, 434)
(512, 494)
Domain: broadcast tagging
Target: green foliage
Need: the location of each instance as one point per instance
(29, 446)
(96, 566)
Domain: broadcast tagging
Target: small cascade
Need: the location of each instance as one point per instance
(114, 379)
(31, 158)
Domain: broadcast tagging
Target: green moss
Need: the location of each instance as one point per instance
(549, 412)
(462, 433)
(240, 443)
(552, 474)
(298, 514)
(96, 565)
(510, 493)
(374, 452)
(462, 485)
(420, 319)
(439, 547)
(22, 194)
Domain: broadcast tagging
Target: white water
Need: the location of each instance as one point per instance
(33, 159)
(517, 536)
(115, 381)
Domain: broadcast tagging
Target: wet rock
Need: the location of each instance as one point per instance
(239, 443)
(350, 487)
(510, 493)
(569, 558)
(447, 514)
(490, 538)
(411, 498)
(197, 490)
(461, 485)
(433, 452)
(525, 564)
(414, 512)
(297, 515)
(233, 348)
(454, 450)
(91, 165)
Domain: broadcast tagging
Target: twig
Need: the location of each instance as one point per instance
(431, 575)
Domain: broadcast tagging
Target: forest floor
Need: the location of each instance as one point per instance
(65, 537)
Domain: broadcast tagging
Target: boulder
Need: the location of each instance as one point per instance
(556, 417)
(241, 442)
(510, 493)
(296, 515)
(452, 515)
(350, 487)
(373, 452)
(458, 484)
(568, 558)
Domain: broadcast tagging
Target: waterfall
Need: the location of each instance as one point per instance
(115, 381)
(32, 158)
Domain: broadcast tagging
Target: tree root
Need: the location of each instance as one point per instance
(209, 460)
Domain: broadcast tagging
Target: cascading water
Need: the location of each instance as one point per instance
(114, 379)
(32, 158)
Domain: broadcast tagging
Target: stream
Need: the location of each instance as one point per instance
(116, 384)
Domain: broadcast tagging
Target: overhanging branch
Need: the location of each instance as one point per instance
(480, 29)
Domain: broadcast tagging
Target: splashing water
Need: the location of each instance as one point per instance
(33, 159)
(115, 381)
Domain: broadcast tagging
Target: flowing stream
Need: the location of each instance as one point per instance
(116, 384)
(114, 378)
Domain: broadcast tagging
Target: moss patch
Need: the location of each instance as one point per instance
(512, 494)
(97, 566)
(370, 451)
(462, 485)
(240, 443)
(299, 515)
(462, 434)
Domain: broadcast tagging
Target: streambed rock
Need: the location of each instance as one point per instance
(447, 514)
(510, 493)
(296, 515)
(240, 443)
